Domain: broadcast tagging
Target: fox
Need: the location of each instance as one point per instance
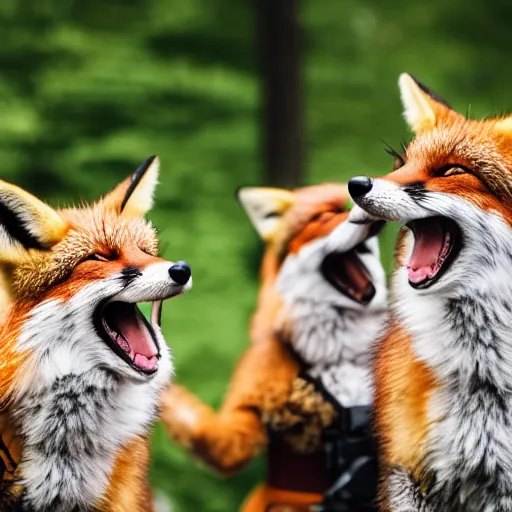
(321, 304)
(443, 370)
(81, 369)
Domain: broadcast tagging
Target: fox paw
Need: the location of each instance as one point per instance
(303, 417)
(180, 411)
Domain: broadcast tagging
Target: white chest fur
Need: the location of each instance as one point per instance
(72, 432)
(336, 343)
(74, 410)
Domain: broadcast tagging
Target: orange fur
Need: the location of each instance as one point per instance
(229, 439)
(12, 359)
(480, 146)
(129, 488)
(268, 499)
(403, 387)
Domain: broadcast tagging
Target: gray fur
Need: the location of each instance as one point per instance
(404, 493)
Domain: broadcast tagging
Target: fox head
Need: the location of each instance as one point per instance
(315, 254)
(452, 189)
(72, 279)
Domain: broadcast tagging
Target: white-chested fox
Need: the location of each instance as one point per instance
(444, 370)
(81, 369)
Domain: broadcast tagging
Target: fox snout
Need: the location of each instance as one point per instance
(157, 281)
(382, 199)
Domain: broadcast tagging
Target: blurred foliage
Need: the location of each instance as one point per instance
(89, 89)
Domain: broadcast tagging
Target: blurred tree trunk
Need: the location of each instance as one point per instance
(279, 58)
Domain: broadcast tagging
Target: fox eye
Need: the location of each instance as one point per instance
(398, 159)
(97, 257)
(398, 162)
(452, 170)
(150, 252)
(327, 214)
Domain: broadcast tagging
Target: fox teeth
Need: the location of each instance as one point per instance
(444, 254)
(118, 338)
(446, 248)
(123, 344)
(113, 334)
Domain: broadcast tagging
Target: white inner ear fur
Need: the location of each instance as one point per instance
(418, 111)
(33, 217)
(141, 200)
(505, 124)
(264, 207)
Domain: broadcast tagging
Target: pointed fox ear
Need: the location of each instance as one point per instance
(265, 206)
(504, 124)
(422, 107)
(133, 197)
(26, 223)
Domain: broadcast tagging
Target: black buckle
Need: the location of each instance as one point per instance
(341, 451)
(355, 419)
(351, 458)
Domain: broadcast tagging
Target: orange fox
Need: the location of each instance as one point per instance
(81, 369)
(305, 376)
(444, 369)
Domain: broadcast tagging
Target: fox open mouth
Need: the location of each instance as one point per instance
(346, 273)
(123, 327)
(437, 242)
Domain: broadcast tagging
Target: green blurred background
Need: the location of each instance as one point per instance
(89, 89)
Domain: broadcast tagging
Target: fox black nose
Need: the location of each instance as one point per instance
(359, 186)
(180, 272)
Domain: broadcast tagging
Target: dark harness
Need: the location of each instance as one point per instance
(350, 458)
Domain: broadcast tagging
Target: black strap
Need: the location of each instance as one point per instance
(351, 458)
(347, 476)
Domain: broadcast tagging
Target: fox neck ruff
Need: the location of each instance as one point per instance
(74, 411)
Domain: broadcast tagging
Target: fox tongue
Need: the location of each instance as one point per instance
(428, 246)
(130, 323)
